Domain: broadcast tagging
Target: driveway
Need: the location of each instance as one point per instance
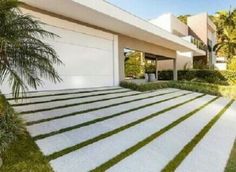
(116, 129)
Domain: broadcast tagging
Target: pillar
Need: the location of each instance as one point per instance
(175, 72)
(156, 69)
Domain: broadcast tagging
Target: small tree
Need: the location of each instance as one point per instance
(24, 58)
(133, 66)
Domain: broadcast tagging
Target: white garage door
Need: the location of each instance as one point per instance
(89, 60)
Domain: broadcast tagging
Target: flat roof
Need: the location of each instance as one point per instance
(105, 15)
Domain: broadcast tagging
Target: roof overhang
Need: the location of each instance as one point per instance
(105, 15)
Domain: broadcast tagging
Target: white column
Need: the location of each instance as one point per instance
(175, 72)
(156, 69)
(116, 63)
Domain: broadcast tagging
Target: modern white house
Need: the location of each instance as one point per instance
(199, 30)
(92, 37)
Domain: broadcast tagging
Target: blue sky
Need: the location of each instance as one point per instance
(149, 9)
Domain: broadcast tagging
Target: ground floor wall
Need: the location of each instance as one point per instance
(184, 61)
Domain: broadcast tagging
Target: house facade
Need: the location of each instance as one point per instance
(199, 30)
(93, 35)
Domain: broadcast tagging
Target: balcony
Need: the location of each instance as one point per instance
(199, 44)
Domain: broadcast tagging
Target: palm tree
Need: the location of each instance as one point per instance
(227, 42)
(24, 58)
(225, 19)
(226, 31)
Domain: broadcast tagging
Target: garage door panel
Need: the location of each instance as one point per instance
(79, 82)
(83, 60)
(88, 59)
(80, 39)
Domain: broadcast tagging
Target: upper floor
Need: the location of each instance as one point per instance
(199, 29)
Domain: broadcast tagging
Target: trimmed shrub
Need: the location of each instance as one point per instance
(10, 125)
(208, 76)
(213, 89)
(144, 87)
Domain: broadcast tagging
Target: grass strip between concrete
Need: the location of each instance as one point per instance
(149, 139)
(231, 165)
(110, 133)
(175, 162)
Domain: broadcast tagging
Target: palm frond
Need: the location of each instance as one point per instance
(25, 59)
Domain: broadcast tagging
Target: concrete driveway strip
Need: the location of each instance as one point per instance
(212, 153)
(71, 99)
(57, 124)
(60, 112)
(52, 93)
(55, 104)
(97, 153)
(35, 116)
(82, 134)
(167, 146)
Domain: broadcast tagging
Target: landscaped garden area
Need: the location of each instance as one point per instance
(220, 83)
(24, 61)
(107, 116)
(161, 126)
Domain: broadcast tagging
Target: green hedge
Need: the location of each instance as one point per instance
(144, 87)
(213, 89)
(209, 76)
(10, 125)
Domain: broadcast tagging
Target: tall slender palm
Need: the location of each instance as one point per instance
(226, 30)
(24, 58)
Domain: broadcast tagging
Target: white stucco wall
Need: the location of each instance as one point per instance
(172, 24)
(184, 60)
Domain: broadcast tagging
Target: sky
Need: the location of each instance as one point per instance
(150, 9)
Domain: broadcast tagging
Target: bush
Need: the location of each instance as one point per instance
(213, 89)
(150, 68)
(208, 76)
(144, 87)
(200, 64)
(10, 125)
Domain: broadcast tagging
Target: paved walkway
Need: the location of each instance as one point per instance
(116, 129)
